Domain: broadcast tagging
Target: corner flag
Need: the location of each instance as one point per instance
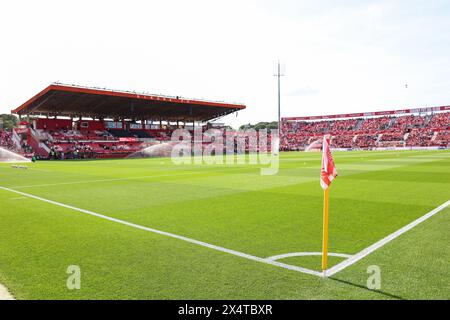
(328, 173)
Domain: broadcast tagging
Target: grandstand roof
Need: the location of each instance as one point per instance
(370, 114)
(73, 101)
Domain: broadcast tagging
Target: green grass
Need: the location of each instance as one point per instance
(235, 207)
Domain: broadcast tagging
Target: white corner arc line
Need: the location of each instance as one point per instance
(197, 242)
(365, 252)
(307, 254)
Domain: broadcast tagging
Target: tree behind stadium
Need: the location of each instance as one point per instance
(8, 121)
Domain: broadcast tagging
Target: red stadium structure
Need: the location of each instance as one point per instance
(400, 129)
(68, 121)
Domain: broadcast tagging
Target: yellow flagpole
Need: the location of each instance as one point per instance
(325, 229)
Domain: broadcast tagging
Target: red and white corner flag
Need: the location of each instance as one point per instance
(328, 172)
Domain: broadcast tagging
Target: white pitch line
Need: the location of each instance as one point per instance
(118, 179)
(364, 253)
(197, 242)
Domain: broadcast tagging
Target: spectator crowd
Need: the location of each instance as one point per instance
(368, 133)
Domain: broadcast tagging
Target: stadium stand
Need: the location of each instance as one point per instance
(10, 140)
(70, 121)
(429, 128)
(6, 140)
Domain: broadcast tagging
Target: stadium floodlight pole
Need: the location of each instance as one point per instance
(279, 98)
(279, 75)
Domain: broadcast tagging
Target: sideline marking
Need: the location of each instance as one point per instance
(365, 252)
(197, 242)
(330, 272)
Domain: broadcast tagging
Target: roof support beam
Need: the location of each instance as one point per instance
(40, 104)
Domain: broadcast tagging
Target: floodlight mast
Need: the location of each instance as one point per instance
(279, 75)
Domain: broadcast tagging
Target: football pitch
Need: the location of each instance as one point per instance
(149, 229)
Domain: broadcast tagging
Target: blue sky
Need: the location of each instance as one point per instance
(340, 56)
